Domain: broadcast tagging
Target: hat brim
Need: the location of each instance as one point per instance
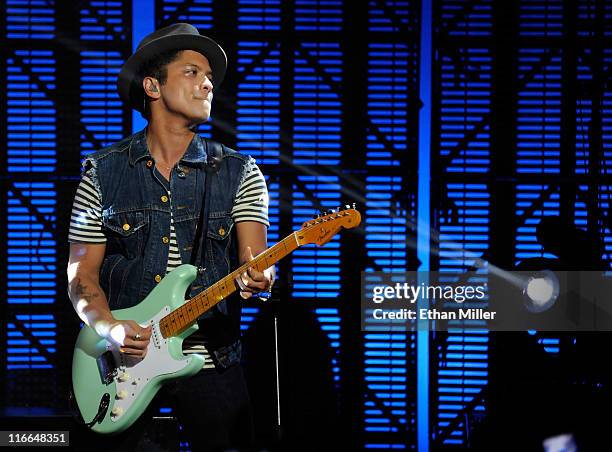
(129, 83)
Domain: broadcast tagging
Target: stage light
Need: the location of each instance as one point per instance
(560, 443)
(541, 291)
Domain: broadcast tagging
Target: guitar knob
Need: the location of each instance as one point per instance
(346, 206)
(117, 411)
(122, 394)
(124, 376)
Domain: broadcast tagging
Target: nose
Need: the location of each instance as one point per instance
(206, 85)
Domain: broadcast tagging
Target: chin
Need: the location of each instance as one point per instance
(200, 119)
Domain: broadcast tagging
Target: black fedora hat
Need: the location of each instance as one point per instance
(181, 36)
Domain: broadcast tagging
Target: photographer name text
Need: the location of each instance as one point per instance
(433, 314)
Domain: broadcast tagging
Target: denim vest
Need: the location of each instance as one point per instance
(136, 222)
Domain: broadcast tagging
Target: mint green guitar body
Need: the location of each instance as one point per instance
(100, 371)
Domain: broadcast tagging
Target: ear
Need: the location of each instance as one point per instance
(151, 87)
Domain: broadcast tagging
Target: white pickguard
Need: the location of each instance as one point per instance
(133, 374)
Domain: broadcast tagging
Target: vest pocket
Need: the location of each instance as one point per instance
(220, 228)
(218, 246)
(126, 232)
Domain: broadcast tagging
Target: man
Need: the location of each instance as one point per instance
(134, 219)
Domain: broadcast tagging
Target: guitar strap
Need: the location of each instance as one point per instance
(214, 154)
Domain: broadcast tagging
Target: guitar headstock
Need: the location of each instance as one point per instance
(321, 229)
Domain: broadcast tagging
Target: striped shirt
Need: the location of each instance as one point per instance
(250, 204)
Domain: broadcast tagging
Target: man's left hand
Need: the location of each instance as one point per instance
(253, 281)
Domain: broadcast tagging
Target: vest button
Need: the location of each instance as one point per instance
(165, 239)
(181, 174)
(164, 198)
(221, 232)
(157, 278)
(149, 163)
(126, 227)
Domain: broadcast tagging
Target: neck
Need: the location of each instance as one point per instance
(167, 142)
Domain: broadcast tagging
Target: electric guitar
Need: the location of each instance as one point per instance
(112, 389)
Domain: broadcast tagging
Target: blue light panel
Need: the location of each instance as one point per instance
(538, 134)
(527, 245)
(539, 114)
(464, 357)
(317, 108)
(463, 18)
(316, 270)
(465, 107)
(389, 409)
(542, 18)
(379, 20)
(587, 20)
(386, 224)
(101, 108)
(318, 15)
(30, 111)
(387, 352)
(33, 349)
(198, 13)
(31, 207)
(29, 19)
(585, 131)
(101, 20)
(388, 78)
(584, 110)
(258, 112)
(31, 246)
(259, 15)
(31, 265)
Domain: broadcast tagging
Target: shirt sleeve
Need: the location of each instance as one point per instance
(86, 217)
(251, 203)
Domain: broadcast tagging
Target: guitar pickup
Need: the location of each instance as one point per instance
(106, 366)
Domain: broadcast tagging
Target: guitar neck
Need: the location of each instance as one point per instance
(182, 318)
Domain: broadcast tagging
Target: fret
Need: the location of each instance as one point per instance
(186, 315)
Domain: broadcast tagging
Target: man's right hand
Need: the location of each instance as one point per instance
(130, 337)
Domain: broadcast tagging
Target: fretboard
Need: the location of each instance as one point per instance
(182, 318)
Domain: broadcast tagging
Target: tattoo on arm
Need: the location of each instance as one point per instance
(81, 291)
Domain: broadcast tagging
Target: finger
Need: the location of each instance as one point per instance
(255, 274)
(145, 333)
(240, 283)
(132, 351)
(246, 294)
(138, 345)
(257, 285)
